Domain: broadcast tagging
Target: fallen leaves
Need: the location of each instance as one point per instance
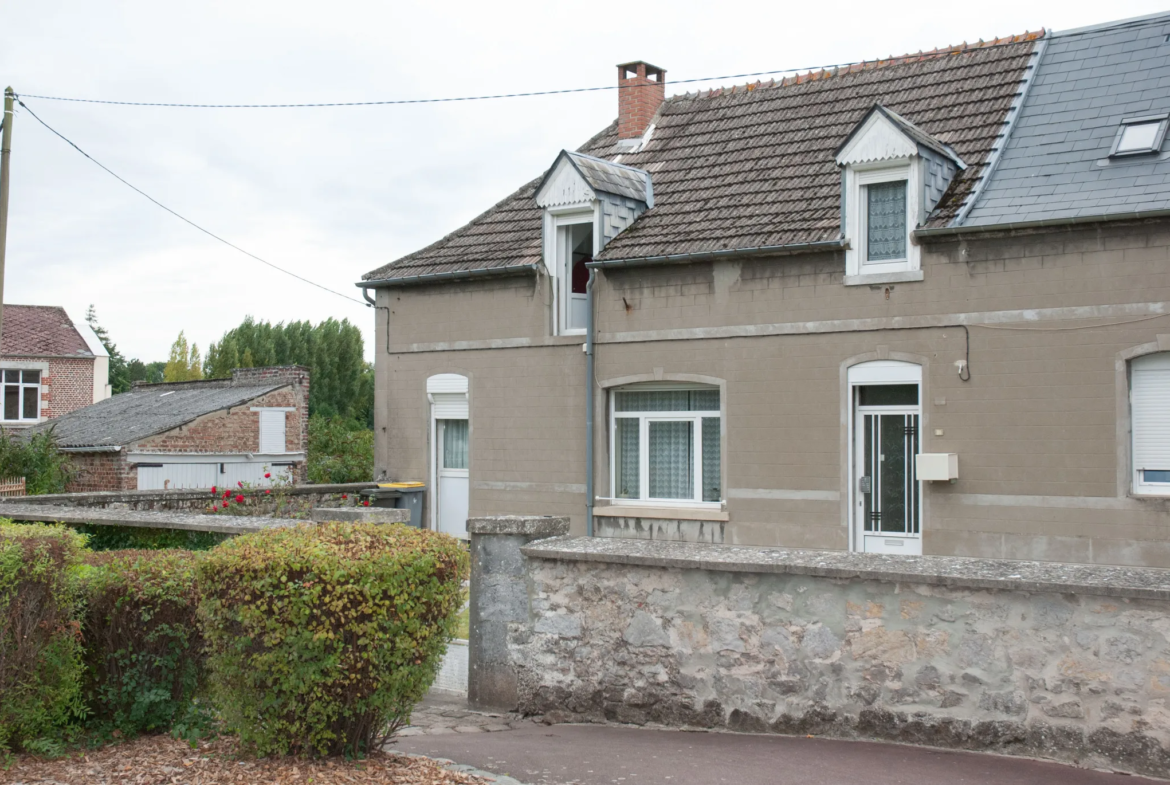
(161, 760)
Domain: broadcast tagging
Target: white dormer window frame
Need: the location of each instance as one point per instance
(860, 268)
(567, 304)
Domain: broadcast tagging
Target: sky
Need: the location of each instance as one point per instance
(331, 193)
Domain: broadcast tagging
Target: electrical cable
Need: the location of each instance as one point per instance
(188, 221)
(323, 104)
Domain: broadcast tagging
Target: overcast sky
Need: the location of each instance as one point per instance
(333, 193)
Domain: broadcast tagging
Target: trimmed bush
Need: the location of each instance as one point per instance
(322, 638)
(143, 649)
(40, 642)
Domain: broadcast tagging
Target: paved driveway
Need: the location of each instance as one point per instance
(603, 755)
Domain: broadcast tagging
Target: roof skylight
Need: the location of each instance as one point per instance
(1140, 135)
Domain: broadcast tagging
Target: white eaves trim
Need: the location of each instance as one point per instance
(208, 457)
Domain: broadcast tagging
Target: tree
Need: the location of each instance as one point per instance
(151, 373)
(184, 364)
(119, 373)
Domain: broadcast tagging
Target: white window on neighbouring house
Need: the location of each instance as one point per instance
(22, 395)
(272, 431)
(666, 445)
(1150, 422)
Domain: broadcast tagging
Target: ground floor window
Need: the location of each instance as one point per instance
(1150, 415)
(666, 444)
(22, 395)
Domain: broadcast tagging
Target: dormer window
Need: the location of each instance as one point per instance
(894, 174)
(1139, 135)
(587, 202)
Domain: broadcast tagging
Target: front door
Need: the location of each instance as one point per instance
(887, 496)
(453, 479)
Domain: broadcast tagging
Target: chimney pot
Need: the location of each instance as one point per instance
(641, 90)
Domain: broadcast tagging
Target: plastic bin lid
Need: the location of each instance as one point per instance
(401, 484)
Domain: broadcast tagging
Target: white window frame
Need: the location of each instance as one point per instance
(857, 178)
(40, 385)
(644, 419)
(1159, 135)
(1154, 362)
(557, 219)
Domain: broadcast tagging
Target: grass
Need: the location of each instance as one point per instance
(463, 627)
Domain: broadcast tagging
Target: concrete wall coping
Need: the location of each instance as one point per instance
(526, 525)
(147, 519)
(360, 514)
(100, 498)
(948, 571)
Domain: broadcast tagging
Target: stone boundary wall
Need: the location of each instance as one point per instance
(1056, 661)
(193, 499)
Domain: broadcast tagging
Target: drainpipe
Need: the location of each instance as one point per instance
(589, 403)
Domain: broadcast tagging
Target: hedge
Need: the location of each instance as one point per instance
(119, 538)
(322, 638)
(143, 648)
(40, 642)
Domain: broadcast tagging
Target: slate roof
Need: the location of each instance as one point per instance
(753, 166)
(1056, 163)
(41, 331)
(147, 410)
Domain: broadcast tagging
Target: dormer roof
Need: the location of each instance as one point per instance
(884, 134)
(572, 172)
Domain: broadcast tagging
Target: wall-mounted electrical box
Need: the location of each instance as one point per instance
(937, 466)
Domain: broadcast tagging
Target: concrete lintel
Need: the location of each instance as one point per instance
(524, 525)
(948, 571)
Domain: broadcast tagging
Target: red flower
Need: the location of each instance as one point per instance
(267, 475)
(213, 490)
(240, 498)
(226, 494)
(345, 495)
(267, 490)
(240, 483)
(225, 505)
(366, 503)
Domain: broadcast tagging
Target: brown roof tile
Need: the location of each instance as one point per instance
(753, 166)
(40, 331)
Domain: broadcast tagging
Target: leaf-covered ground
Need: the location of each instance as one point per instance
(161, 760)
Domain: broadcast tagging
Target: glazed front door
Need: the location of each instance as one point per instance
(887, 498)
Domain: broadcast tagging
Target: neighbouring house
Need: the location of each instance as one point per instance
(49, 365)
(917, 305)
(215, 432)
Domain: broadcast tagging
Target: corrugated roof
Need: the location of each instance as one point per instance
(1056, 163)
(147, 410)
(40, 331)
(753, 166)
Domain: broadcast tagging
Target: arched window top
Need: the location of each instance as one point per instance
(885, 372)
(447, 383)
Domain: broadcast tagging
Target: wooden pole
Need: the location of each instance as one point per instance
(5, 154)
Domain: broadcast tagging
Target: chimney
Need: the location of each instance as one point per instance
(641, 90)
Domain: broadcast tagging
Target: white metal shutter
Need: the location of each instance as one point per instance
(272, 432)
(450, 406)
(1150, 402)
(177, 475)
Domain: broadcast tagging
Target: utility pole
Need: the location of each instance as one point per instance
(5, 168)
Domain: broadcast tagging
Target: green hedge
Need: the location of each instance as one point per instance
(40, 642)
(143, 649)
(119, 538)
(322, 638)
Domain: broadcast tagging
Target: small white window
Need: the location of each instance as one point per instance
(882, 205)
(1150, 421)
(1140, 135)
(272, 431)
(666, 445)
(886, 233)
(22, 395)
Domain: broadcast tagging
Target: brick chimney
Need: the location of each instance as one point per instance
(641, 90)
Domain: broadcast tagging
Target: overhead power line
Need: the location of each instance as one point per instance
(182, 218)
(534, 93)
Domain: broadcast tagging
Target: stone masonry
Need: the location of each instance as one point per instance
(1057, 661)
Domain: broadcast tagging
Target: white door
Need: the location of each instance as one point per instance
(886, 493)
(451, 439)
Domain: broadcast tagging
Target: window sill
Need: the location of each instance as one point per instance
(902, 276)
(664, 513)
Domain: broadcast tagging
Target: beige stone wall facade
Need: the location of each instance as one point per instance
(1041, 427)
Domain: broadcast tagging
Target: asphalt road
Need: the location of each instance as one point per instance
(603, 755)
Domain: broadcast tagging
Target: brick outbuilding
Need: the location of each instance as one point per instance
(191, 434)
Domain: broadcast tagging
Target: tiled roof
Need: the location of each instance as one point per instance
(147, 410)
(1056, 163)
(753, 166)
(611, 178)
(40, 331)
